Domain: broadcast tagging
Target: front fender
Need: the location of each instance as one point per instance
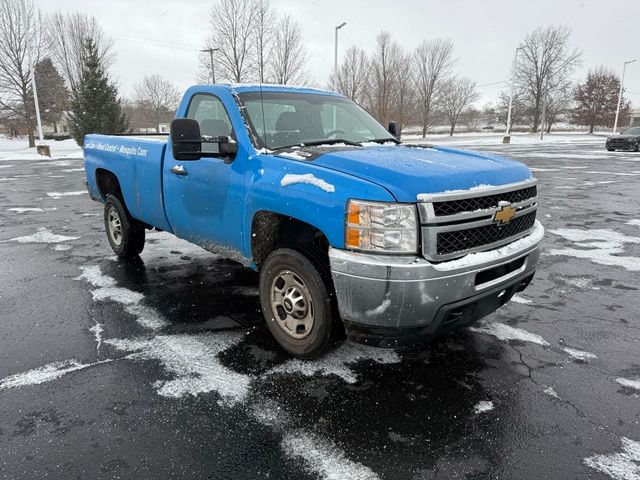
(306, 192)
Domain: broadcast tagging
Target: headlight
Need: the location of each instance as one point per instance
(383, 227)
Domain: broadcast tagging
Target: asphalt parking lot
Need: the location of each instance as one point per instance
(163, 368)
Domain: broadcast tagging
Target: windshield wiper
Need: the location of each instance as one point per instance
(328, 141)
(331, 141)
(384, 140)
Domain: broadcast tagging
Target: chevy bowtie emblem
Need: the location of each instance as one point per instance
(505, 214)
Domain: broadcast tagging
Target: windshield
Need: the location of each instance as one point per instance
(285, 119)
(632, 131)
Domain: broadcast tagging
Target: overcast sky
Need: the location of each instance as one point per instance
(163, 36)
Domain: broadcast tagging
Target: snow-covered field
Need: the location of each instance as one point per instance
(18, 149)
(494, 138)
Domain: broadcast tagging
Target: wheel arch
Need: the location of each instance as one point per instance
(108, 183)
(271, 230)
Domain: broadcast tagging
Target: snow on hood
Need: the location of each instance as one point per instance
(407, 172)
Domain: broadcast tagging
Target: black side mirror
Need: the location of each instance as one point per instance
(186, 139)
(228, 148)
(394, 129)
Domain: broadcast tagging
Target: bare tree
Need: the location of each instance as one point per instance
(433, 62)
(352, 78)
(67, 35)
(157, 96)
(16, 93)
(546, 61)
(403, 93)
(289, 59)
(520, 114)
(265, 20)
(457, 95)
(559, 102)
(384, 64)
(597, 100)
(232, 26)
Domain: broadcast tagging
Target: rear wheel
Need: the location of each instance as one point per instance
(296, 303)
(125, 234)
(610, 149)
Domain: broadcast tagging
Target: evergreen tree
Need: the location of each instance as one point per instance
(95, 106)
(53, 96)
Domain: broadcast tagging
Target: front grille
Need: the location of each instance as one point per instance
(453, 207)
(471, 238)
(620, 143)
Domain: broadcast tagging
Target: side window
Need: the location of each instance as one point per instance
(212, 117)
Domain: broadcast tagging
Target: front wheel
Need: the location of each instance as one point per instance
(296, 303)
(125, 234)
(609, 149)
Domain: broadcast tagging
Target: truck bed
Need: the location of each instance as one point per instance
(137, 161)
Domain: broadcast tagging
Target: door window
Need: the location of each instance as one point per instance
(214, 121)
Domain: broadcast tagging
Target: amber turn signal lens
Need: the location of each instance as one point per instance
(353, 237)
(353, 216)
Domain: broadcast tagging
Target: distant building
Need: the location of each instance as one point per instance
(634, 120)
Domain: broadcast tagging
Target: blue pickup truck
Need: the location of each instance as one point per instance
(350, 229)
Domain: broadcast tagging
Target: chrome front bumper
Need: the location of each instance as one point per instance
(385, 293)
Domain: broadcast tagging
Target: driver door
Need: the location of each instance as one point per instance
(204, 198)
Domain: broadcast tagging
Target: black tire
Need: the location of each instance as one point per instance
(125, 234)
(609, 149)
(287, 274)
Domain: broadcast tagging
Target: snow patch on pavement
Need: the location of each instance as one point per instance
(521, 300)
(106, 290)
(579, 354)
(623, 465)
(309, 179)
(339, 362)
(324, 458)
(45, 373)
(42, 236)
(625, 382)
(635, 223)
(61, 247)
(551, 392)
(193, 359)
(97, 330)
(506, 332)
(58, 195)
(25, 209)
(482, 407)
(599, 245)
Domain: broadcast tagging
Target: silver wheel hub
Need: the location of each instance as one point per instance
(291, 304)
(114, 226)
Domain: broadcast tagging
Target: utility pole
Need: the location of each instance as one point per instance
(624, 68)
(33, 74)
(335, 58)
(513, 91)
(213, 71)
(544, 107)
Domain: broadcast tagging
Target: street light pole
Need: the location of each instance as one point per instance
(624, 68)
(31, 70)
(335, 58)
(513, 91)
(213, 71)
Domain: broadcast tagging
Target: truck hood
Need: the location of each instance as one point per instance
(407, 172)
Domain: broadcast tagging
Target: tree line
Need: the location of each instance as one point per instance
(249, 41)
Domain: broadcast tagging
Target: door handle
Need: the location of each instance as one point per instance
(178, 170)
